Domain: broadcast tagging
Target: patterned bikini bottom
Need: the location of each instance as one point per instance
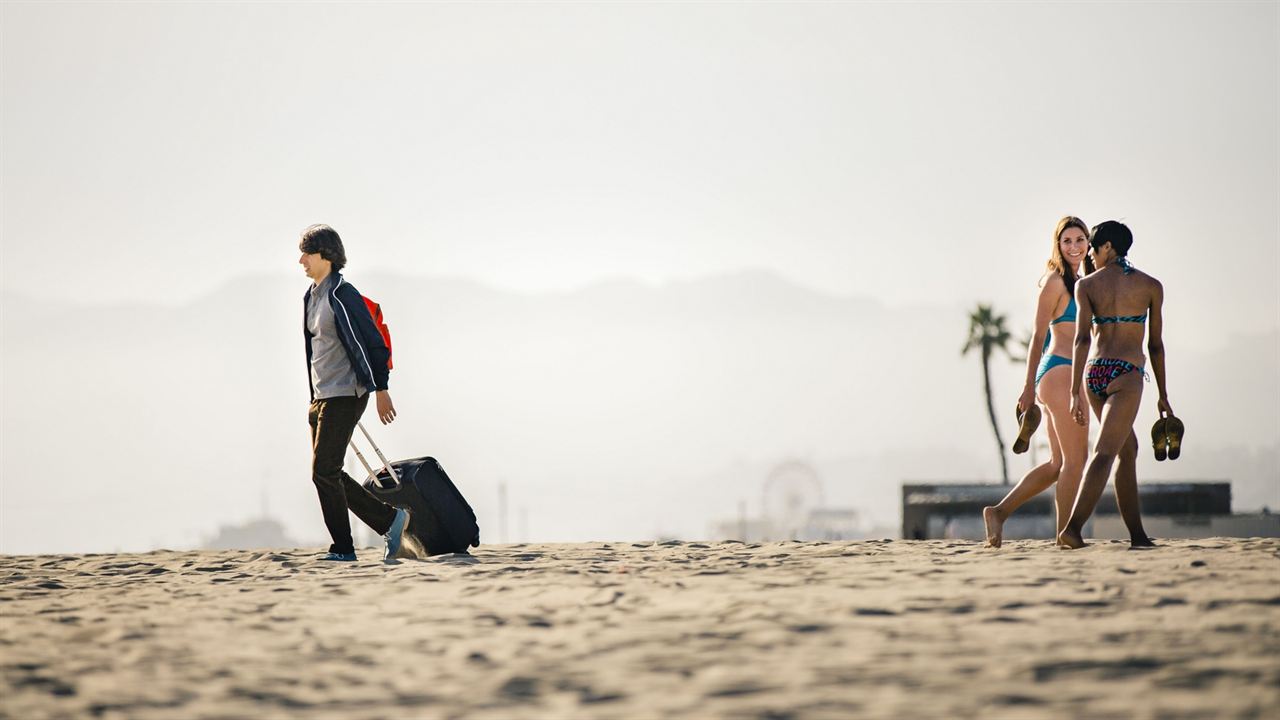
(1101, 371)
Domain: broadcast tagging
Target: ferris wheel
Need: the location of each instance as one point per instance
(791, 491)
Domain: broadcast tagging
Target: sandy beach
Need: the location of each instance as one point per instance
(631, 630)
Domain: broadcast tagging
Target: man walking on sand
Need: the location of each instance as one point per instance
(347, 360)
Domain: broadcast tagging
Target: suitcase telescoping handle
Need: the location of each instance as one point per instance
(395, 479)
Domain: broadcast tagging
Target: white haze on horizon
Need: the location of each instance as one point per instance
(851, 178)
(618, 412)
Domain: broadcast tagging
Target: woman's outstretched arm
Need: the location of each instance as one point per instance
(1080, 351)
(1155, 344)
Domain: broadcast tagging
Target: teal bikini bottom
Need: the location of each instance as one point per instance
(1049, 362)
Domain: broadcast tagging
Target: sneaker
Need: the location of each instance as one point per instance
(340, 557)
(394, 534)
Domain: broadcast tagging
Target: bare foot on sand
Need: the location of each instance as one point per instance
(1142, 542)
(995, 526)
(1070, 539)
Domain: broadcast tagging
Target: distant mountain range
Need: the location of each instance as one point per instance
(621, 410)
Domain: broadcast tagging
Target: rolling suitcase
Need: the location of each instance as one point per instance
(440, 520)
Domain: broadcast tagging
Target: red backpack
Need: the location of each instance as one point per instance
(375, 311)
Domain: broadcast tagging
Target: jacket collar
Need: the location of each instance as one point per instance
(328, 283)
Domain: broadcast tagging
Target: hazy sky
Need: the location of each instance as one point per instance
(914, 153)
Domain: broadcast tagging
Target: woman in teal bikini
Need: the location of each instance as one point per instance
(1118, 304)
(1049, 380)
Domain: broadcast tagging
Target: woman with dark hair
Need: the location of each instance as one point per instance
(1049, 380)
(1114, 304)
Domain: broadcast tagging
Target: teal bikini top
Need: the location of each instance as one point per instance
(1068, 315)
(1108, 319)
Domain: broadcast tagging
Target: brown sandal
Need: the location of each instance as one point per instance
(1174, 429)
(1160, 439)
(1027, 424)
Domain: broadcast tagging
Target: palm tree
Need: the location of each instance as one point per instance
(987, 332)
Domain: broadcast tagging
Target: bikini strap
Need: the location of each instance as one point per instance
(1107, 319)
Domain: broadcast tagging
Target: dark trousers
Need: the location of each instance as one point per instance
(332, 422)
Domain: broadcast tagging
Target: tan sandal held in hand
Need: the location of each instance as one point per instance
(1174, 429)
(1160, 439)
(1027, 424)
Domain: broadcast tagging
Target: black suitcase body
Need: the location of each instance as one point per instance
(440, 520)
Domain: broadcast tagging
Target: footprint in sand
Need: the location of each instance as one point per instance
(809, 628)
(1096, 669)
(588, 696)
(1083, 604)
(519, 688)
(737, 689)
